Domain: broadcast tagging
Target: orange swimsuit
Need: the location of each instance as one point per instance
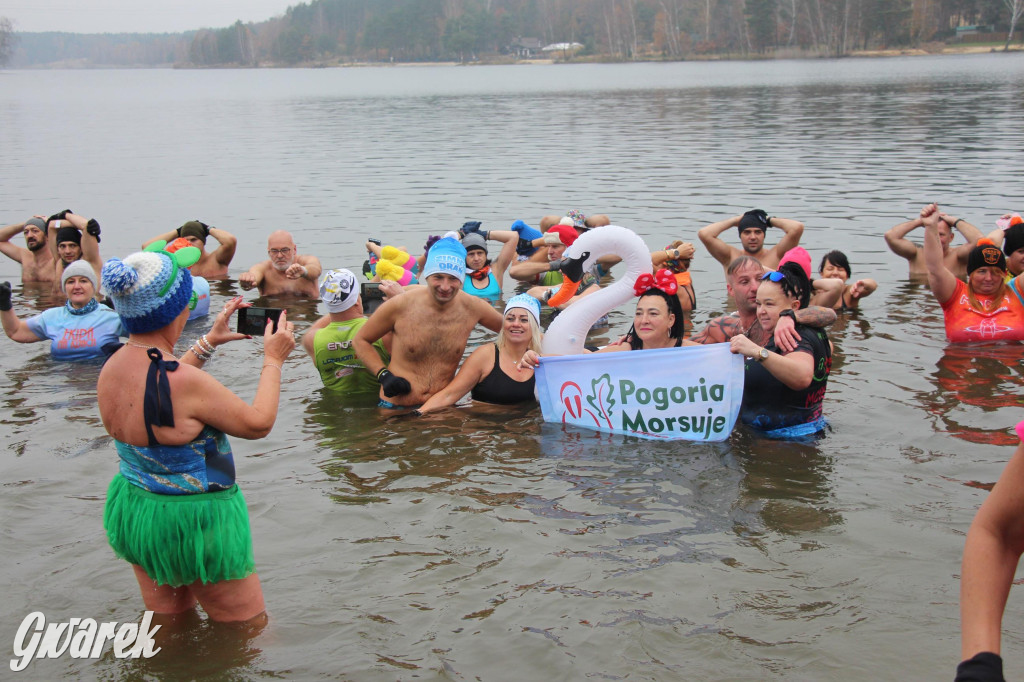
(1003, 321)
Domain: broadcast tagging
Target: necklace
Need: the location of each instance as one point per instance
(146, 346)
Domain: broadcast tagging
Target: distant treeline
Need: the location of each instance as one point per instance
(333, 31)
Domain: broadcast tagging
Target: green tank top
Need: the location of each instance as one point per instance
(336, 359)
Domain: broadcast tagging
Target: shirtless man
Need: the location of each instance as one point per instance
(286, 272)
(752, 226)
(211, 265)
(955, 259)
(430, 326)
(581, 222)
(742, 278)
(36, 259)
(73, 237)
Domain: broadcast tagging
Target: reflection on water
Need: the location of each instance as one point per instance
(480, 541)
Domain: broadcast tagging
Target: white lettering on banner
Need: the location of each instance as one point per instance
(81, 638)
(691, 393)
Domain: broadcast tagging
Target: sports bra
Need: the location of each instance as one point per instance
(500, 389)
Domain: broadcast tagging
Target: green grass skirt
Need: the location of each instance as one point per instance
(179, 539)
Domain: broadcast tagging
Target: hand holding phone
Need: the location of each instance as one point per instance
(253, 321)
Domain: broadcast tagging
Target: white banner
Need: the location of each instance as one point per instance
(689, 393)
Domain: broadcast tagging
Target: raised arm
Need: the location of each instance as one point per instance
(940, 279)
(227, 245)
(792, 230)
(896, 238)
(90, 240)
(681, 251)
(507, 254)
(12, 251)
(971, 233)
(166, 236)
(709, 236)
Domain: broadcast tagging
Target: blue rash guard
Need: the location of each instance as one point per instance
(76, 335)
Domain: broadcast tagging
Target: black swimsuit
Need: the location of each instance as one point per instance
(500, 389)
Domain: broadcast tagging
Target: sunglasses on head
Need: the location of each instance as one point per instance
(774, 276)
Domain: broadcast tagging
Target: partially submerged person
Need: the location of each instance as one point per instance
(174, 511)
(81, 329)
(431, 326)
(676, 258)
(544, 268)
(826, 292)
(984, 308)
(211, 264)
(658, 320)
(953, 258)
(492, 373)
(992, 551)
(1009, 234)
(285, 272)
(742, 279)
(73, 237)
(783, 390)
(37, 263)
(577, 219)
(329, 341)
(835, 265)
(486, 277)
(752, 226)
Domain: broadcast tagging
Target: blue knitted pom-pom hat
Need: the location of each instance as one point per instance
(149, 288)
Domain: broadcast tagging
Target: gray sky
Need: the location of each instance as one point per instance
(135, 16)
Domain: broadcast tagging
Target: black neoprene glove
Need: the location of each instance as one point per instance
(93, 228)
(5, 296)
(983, 667)
(524, 246)
(393, 385)
(59, 216)
(556, 265)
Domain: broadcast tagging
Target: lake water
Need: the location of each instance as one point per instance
(485, 544)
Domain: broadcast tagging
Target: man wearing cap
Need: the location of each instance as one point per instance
(955, 259)
(213, 264)
(285, 272)
(329, 341)
(752, 226)
(430, 326)
(36, 260)
(73, 237)
(542, 267)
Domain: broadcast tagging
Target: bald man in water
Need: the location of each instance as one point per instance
(285, 273)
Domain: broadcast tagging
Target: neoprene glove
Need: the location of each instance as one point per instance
(983, 667)
(524, 246)
(5, 296)
(59, 216)
(470, 226)
(556, 264)
(93, 228)
(392, 385)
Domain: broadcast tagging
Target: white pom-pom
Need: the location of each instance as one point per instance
(118, 277)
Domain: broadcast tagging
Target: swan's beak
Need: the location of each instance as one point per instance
(572, 275)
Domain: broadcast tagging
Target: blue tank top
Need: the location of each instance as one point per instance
(492, 290)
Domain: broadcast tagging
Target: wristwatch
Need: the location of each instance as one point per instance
(788, 312)
(762, 355)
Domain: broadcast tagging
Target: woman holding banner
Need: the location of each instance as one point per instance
(783, 392)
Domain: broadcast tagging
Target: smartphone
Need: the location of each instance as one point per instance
(372, 296)
(253, 321)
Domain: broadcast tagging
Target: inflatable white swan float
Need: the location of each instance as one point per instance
(568, 332)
